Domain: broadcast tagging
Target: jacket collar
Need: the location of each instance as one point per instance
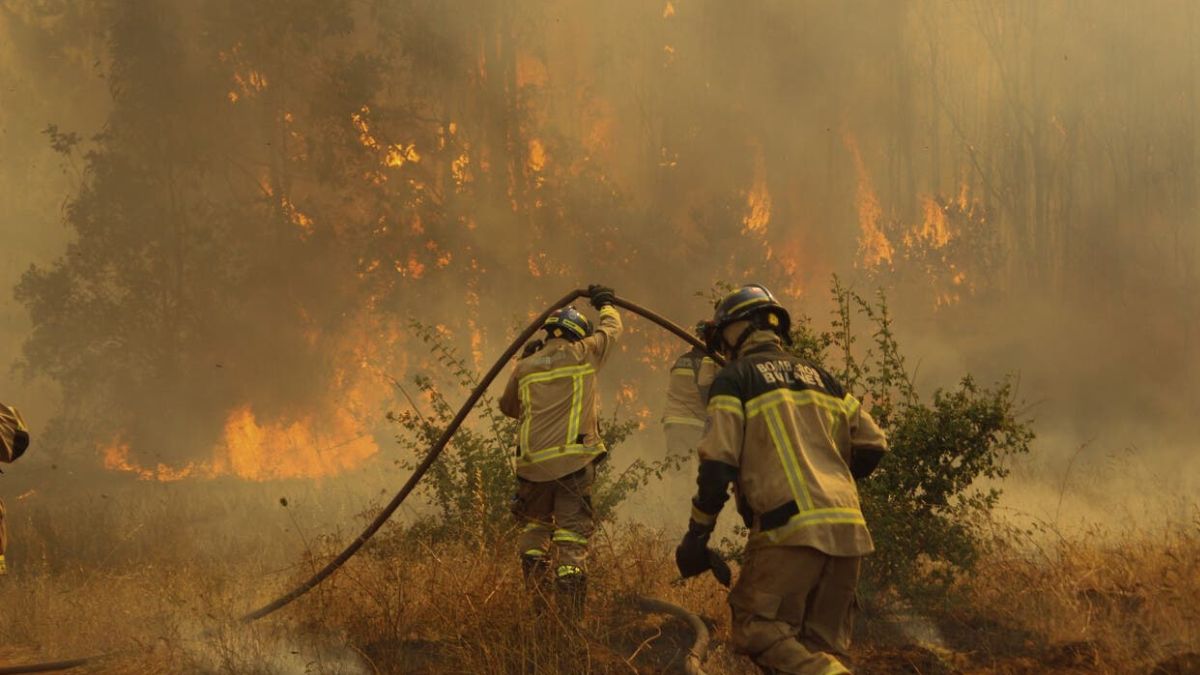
(761, 341)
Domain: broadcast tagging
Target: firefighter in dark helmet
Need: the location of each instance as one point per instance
(552, 392)
(687, 391)
(792, 441)
(14, 439)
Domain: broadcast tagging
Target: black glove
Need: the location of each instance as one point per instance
(693, 556)
(601, 295)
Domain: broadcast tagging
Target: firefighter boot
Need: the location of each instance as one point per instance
(536, 570)
(571, 592)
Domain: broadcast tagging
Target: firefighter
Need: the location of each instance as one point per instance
(793, 442)
(552, 391)
(14, 439)
(687, 391)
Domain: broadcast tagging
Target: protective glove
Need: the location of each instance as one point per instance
(693, 556)
(601, 296)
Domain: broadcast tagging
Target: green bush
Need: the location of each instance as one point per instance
(473, 482)
(947, 451)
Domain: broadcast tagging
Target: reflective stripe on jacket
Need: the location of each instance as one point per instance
(789, 429)
(688, 389)
(553, 395)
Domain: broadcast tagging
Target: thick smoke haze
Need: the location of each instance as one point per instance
(262, 195)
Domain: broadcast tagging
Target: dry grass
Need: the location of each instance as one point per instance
(1100, 600)
(161, 571)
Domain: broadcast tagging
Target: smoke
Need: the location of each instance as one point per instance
(267, 193)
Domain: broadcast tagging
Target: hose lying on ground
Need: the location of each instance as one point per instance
(434, 451)
(695, 657)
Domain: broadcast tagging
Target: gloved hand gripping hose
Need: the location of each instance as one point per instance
(434, 451)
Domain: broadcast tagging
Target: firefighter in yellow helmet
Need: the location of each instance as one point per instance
(687, 391)
(793, 442)
(14, 439)
(552, 392)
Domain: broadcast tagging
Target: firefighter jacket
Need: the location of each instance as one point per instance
(793, 440)
(14, 436)
(688, 389)
(553, 395)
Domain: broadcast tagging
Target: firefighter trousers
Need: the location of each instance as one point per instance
(559, 512)
(793, 609)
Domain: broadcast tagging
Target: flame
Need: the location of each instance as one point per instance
(292, 449)
(247, 81)
(398, 155)
(260, 451)
(537, 156)
(669, 10)
(873, 246)
(297, 217)
(394, 155)
(933, 231)
(758, 198)
(460, 169)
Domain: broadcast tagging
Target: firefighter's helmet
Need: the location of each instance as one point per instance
(568, 323)
(753, 303)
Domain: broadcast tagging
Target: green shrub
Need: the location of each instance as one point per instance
(947, 451)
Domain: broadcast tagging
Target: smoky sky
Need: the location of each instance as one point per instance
(316, 175)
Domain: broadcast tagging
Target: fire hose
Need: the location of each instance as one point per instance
(692, 664)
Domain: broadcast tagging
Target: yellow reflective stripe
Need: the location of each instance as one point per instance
(568, 570)
(758, 404)
(746, 303)
(527, 418)
(576, 372)
(609, 309)
(690, 421)
(685, 372)
(726, 403)
(829, 516)
(560, 451)
(851, 405)
(535, 553)
(573, 326)
(782, 441)
(576, 410)
(702, 517)
(556, 373)
(569, 537)
(534, 526)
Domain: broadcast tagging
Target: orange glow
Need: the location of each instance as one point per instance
(261, 451)
(531, 71)
(669, 10)
(297, 218)
(758, 199)
(933, 231)
(460, 169)
(359, 120)
(537, 155)
(397, 155)
(873, 246)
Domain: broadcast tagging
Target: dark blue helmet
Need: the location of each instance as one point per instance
(568, 323)
(754, 303)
